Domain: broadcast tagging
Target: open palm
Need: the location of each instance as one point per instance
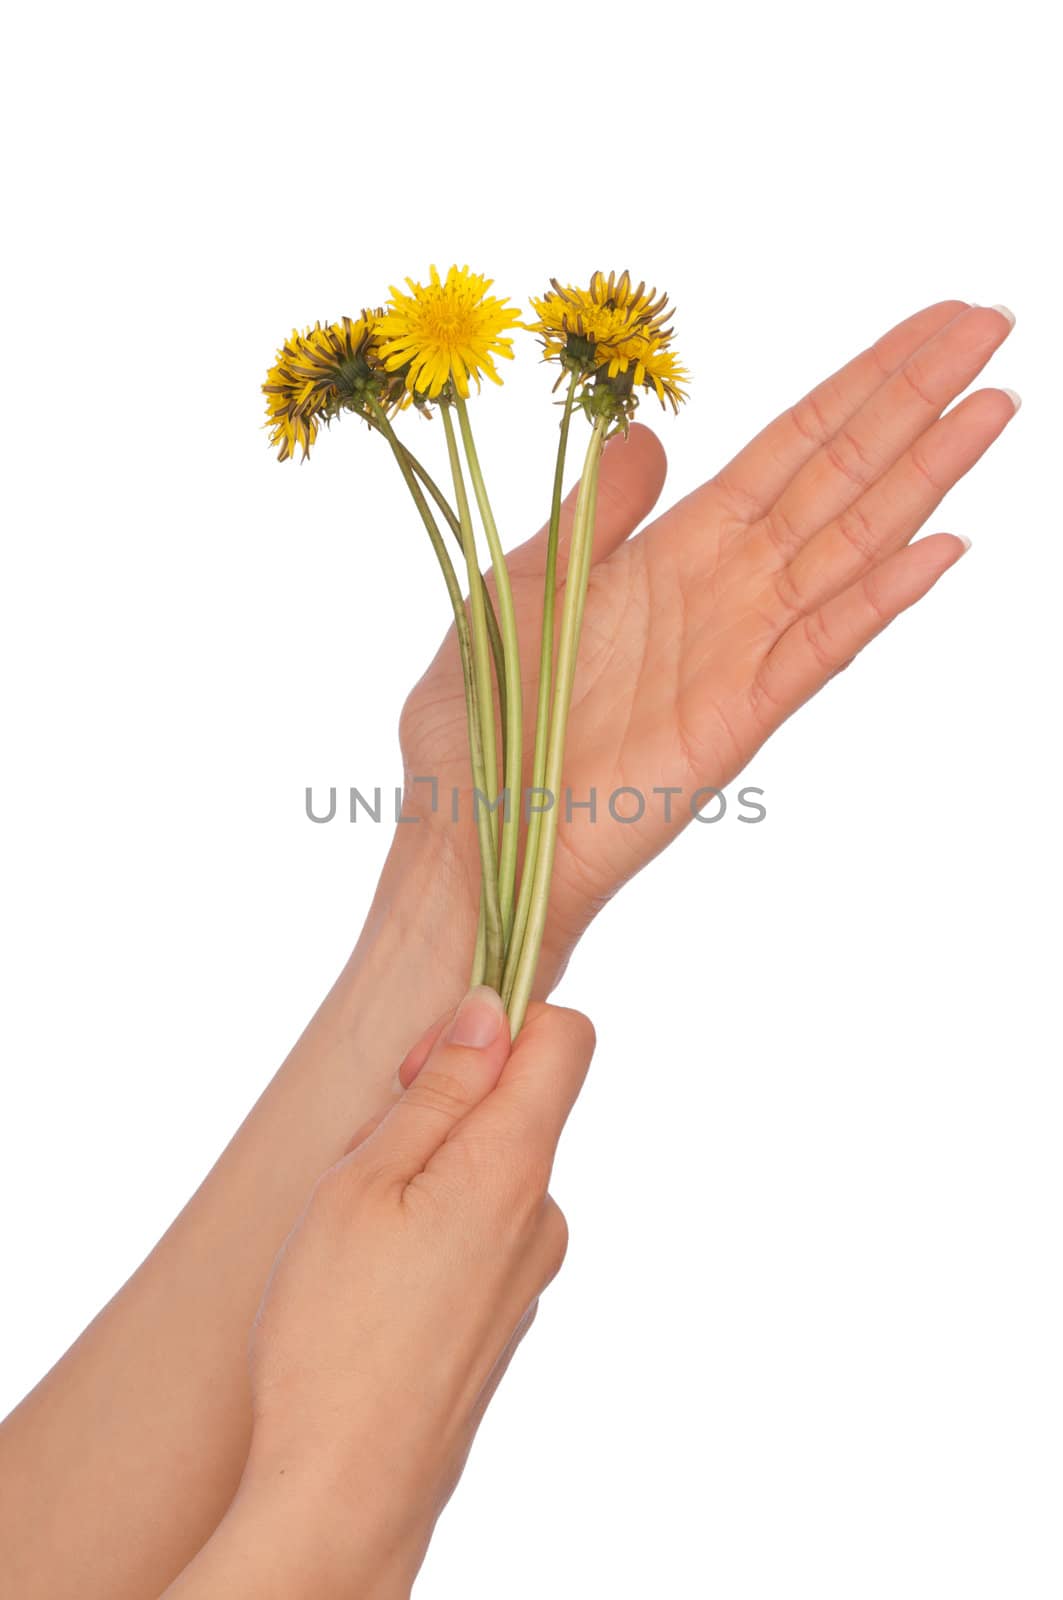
(704, 632)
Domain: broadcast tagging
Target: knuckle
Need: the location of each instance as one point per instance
(766, 705)
(586, 1032)
(411, 719)
(875, 606)
(439, 1092)
(923, 468)
(619, 500)
(554, 1236)
(787, 593)
(808, 418)
(879, 353)
(579, 1030)
(516, 1180)
(491, 1162)
(562, 1026)
(508, 1178)
(914, 376)
(740, 503)
(855, 528)
(336, 1193)
(844, 454)
(781, 532)
(423, 723)
(819, 643)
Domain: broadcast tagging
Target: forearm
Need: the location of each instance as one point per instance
(284, 1541)
(119, 1465)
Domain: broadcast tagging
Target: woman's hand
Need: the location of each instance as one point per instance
(704, 633)
(394, 1309)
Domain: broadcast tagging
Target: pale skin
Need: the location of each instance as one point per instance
(393, 1312)
(701, 635)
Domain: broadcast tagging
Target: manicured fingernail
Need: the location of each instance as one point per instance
(478, 1019)
(962, 537)
(1005, 312)
(1016, 399)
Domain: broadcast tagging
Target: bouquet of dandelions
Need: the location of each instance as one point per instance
(611, 343)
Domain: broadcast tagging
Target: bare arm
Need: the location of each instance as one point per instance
(702, 634)
(118, 1466)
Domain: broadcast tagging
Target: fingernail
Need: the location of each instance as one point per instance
(478, 1020)
(1016, 399)
(1005, 312)
(962, 537)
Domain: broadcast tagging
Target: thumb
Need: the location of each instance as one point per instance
(463, 1067)
(629, 483)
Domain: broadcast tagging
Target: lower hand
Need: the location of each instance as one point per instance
(394, 1309)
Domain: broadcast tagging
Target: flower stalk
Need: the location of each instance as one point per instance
(485, 708)
(512, 694)
(568, 645)
(493, 633)
(542, 708)
(488, 952)
(478, 612)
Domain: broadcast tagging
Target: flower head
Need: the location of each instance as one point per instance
(639, 363)
(319, 373)
(574, 322)
(612, 336)
(445, 332)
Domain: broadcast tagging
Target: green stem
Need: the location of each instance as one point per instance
(479, 959)
(490, 917)
(542, 713)
(455, 527)
(481, 666)
(481, 663)
(495, 637)
(493, 632)
(512, 767)
(579, 567)
(497, 655)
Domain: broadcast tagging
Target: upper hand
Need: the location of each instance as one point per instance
(703, 633)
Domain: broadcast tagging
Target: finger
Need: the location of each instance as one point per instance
(462, 1068)
(892, 419)
(630, 481)
(412, 1063)
(817, 646)
(759, 473)
(418, 1053)
(367, 1128)
(536, 1091)
(893, 511)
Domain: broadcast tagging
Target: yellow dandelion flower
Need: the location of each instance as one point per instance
(635, 364)
(658, 368)
(319, 373)
(584, 328)
(612, 336)
(446, 332)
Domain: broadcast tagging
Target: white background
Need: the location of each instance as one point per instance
(807, 1339)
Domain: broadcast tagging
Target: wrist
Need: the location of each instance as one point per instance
(426, 903)
(414, 954)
